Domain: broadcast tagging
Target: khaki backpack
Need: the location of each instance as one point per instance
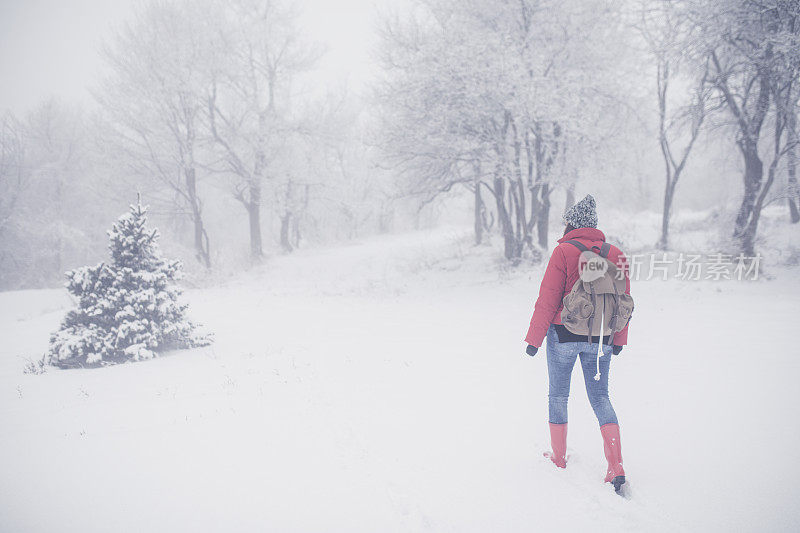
(597, 304)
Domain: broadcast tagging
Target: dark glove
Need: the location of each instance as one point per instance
(616, 349)
(531, 350)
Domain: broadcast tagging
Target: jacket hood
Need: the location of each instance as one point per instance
(591, 234)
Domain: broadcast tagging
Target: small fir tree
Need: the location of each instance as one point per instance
(128, 309)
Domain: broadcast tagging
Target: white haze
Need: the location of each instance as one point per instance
(50, 47)
(363, 222)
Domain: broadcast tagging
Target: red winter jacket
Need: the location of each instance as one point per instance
(561, 275)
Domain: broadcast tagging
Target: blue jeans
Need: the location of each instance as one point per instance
(560, 360)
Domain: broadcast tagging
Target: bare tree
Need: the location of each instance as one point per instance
(784, 91)
(153, 99)
(661, 28)
(753, 48)
(248, 106)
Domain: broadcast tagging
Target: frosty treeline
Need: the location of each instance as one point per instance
(516, 99)
(208, 108)
(504, 98)
(502, 110)
(198, 91)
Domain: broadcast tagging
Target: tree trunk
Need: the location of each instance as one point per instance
(517, 213)
(750, 131)
(748, 237)
(478, 213)
(536, 190)
(531, 188)
(753, 174)
(669, 194)
(509, 244)
(749, 234)
(543, 218)
(286, 220)
(540, 196)
(518, 191)
(201, 246)
(478, 204)
(295, 233)
(570, 196)
(791, 163)
(255, 181)
(254, 216)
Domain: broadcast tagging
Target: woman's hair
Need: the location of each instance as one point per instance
(568, 229)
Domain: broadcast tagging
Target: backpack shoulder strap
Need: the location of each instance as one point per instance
(604, 250)
(579, 245)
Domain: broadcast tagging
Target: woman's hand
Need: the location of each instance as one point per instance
(531, 350)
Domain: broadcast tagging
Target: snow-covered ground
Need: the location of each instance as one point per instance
(383, 386)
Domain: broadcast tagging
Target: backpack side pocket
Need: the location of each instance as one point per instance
(577, 310)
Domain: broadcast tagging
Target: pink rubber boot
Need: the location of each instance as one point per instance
(613, 449)
(558, 441)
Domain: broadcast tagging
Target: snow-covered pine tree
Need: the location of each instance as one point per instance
(128, 309)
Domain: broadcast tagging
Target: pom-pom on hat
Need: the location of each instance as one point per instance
(583, 214)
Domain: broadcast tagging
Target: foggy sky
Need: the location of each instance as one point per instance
(50, 47)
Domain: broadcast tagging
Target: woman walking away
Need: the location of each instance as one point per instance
(584, 297)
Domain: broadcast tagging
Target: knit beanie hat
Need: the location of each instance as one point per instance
(583, 214)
